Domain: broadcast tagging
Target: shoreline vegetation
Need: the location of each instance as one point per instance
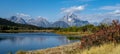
(21, 31)
(49, 31)
(103, 41)
(74, 33)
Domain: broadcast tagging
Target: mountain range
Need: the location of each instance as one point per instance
(66, 21)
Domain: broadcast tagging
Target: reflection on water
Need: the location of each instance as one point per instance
(12, 42)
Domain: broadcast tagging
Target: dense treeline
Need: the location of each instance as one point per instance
(86, 28)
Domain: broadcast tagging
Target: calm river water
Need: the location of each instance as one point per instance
(12, 42)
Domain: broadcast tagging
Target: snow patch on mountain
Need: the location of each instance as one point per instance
(73, 20)
(40, 22)
(17, 20)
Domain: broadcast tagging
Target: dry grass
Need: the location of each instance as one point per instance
(103, 49)
(73, 49)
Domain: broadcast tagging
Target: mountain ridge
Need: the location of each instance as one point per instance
(66, 21)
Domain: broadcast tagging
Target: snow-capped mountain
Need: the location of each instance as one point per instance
(67, 21)
(60, 24)
(40, 21)
(17, 20)
(73, 20)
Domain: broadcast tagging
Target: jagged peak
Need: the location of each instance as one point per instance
(71, 15)
(41, 18)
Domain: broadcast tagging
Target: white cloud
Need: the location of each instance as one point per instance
(115, 7)
(22, 15)
(100, 17)
(114, 13)
(73, 9)
(117, 11)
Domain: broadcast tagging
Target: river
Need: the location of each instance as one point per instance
(12, 42)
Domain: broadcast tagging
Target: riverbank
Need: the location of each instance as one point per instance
(65, 49)
(74, 33)
(19, 31)
(109, 48)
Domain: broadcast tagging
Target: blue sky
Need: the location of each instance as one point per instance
(54, 9)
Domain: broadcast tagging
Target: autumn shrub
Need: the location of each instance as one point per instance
(104, 35)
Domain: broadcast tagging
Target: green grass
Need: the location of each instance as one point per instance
(74, 33)
(18, 31)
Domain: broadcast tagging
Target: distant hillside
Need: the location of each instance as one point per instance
(6, 22)
(60, 24)
(8, 25)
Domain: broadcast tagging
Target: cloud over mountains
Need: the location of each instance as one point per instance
(22, 15)
(114, 7)
(73, 9)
